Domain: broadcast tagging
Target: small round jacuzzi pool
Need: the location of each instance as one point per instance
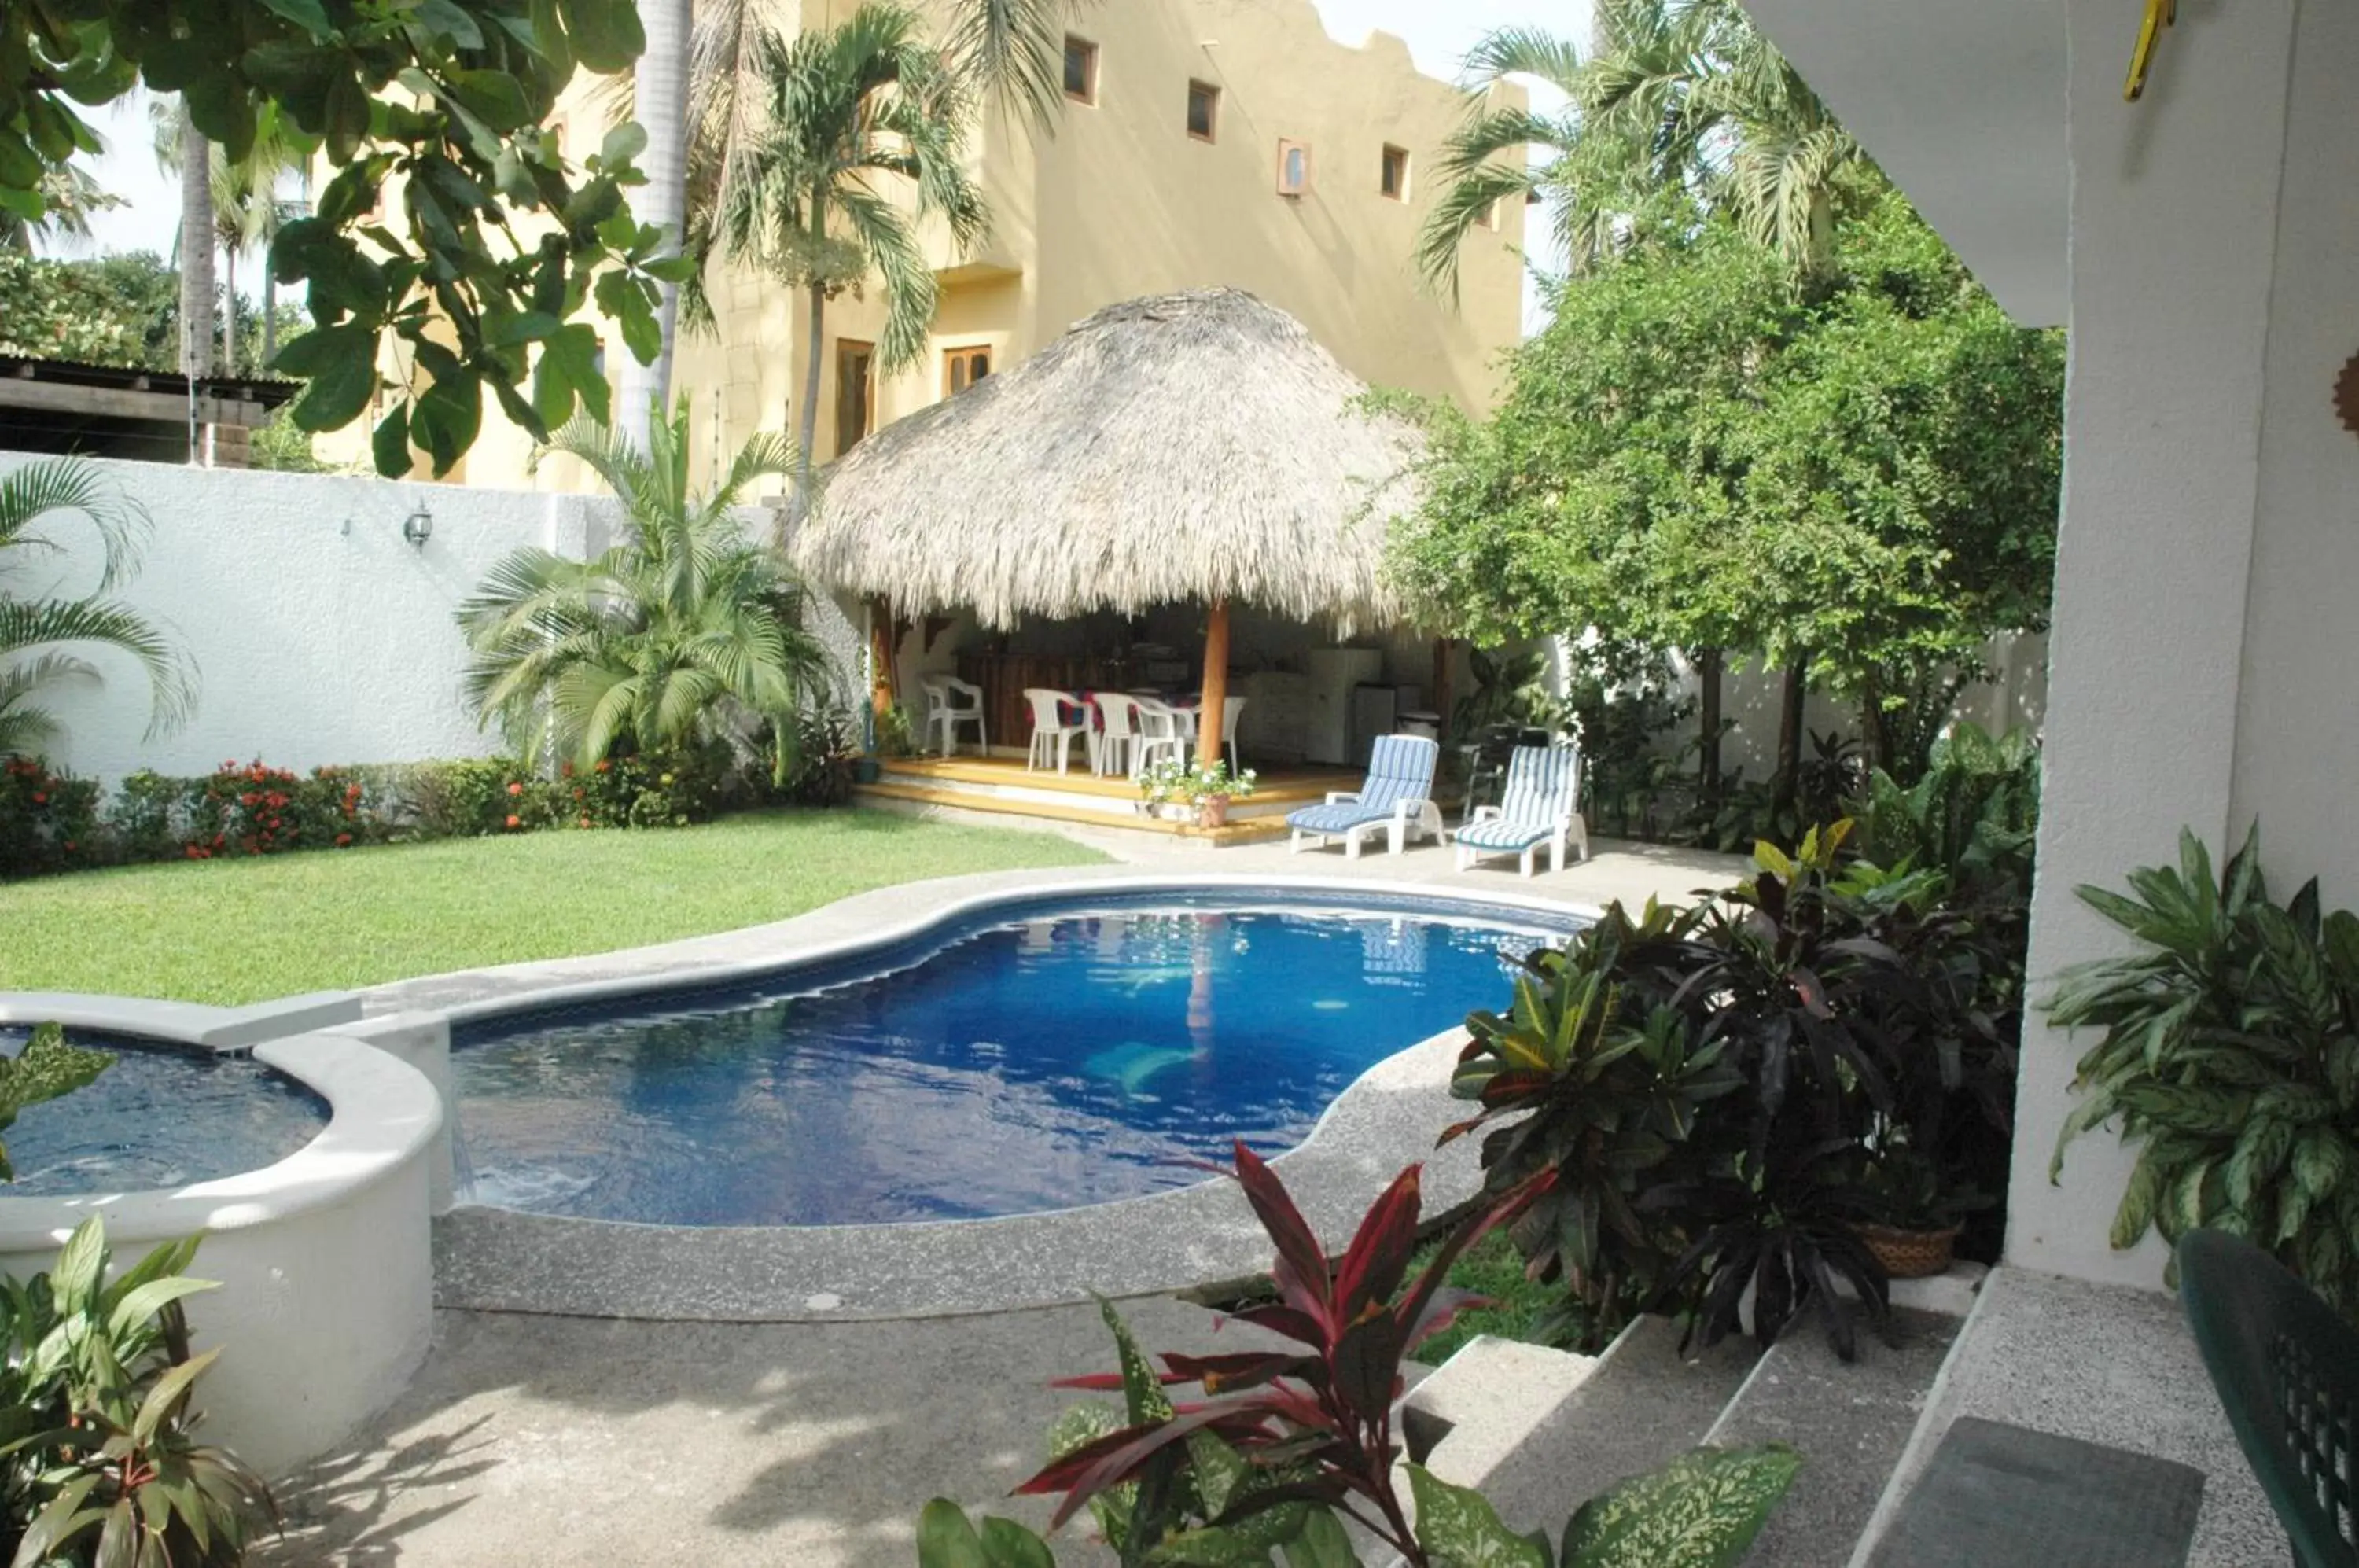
(161, 1117)
(1041, 1055)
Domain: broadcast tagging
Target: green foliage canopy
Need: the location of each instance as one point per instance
(497, 243)
(1858, 473)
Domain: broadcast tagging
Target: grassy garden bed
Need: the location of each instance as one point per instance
(244, 929)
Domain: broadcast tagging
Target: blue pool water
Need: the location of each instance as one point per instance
(1044, 1063)
(163, 1115)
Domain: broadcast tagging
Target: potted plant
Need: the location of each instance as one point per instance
(1176, 790)
(1919, 1213)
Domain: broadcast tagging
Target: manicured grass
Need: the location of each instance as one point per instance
(243, 930)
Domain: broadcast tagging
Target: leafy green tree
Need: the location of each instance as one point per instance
(851, 112)
(39, 633)
(1605, 492)
(1680, 96)
(686, 628)
(1901, 480)
(1858, 479)
(494, 245)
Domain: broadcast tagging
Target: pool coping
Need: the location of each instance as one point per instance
(492, 1259)
(381, 1112)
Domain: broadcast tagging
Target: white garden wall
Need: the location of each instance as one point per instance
(319, 634)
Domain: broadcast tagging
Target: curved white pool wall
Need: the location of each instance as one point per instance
(324, 1259)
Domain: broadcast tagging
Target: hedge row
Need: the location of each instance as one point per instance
(51, 822)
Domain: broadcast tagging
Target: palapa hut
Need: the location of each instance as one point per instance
(1200, 446)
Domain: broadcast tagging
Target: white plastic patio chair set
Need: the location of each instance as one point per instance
(1539, 811)
(1121, 732)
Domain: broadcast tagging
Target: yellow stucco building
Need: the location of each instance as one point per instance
(1202, 142)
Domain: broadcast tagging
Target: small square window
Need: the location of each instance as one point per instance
(963, 367)
(1293, 169)
(1080, 70)
(1203, 111)
(1395, 179)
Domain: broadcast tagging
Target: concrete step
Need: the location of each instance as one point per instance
(1849, 1421)
(1643, 1403)
(1464, 1419)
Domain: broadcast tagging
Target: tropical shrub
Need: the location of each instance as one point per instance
(686, 631)
(828, 751)
(49, 822)
(2230, 1053)
(101, 1465)
(1973, 814)
(1713, 1100)
(1286, 1443)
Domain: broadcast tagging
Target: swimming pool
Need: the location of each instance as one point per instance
(1040, 1058)
(163, 1115)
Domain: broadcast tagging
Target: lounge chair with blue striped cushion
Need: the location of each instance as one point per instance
(1397, 798)
(1541, 807)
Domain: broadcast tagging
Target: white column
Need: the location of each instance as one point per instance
(2174, 224)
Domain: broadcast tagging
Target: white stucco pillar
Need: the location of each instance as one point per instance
(2175, 222)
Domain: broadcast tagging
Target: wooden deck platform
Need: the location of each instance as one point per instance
(1003, 786)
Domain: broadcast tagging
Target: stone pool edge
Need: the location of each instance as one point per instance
(504, 1261)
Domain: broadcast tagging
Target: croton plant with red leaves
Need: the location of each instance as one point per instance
(1285, 1444)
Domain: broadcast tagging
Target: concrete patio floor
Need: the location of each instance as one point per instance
(529, 1441)
(539, 1442)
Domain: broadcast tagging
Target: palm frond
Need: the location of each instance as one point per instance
(1470, 201)
(1013, 53)
(39, 627)
(910, 288)
(1523, 52)
(35, 490)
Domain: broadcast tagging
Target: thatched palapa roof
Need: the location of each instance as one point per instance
(1187, 446)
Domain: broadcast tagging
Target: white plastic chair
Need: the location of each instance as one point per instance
(1163, 730)
(951, 702)
(1118, 729)
(1230, 708)
(1050, 733)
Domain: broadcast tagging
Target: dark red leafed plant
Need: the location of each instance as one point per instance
(1315, 1418)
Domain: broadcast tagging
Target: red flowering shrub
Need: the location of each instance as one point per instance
(47, 822)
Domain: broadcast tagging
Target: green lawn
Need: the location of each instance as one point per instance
(1520, 1308)
(243, 930)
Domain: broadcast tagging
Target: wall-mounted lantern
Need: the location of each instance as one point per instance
(418, 527)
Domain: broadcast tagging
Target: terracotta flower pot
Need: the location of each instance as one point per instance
(1213, 812)
(1910, 1254)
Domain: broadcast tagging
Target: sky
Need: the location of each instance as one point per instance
(1438, 32)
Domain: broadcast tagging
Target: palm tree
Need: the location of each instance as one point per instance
(1678, 99)
(659, 84)
(196, 250)
(850, 113)
(685, 628)
(38, 635)
(245, 210)
(1010, 52)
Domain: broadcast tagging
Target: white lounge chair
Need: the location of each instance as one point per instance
(1541, 807)
(1397, 798)
(951, 702)
(1052, 736)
